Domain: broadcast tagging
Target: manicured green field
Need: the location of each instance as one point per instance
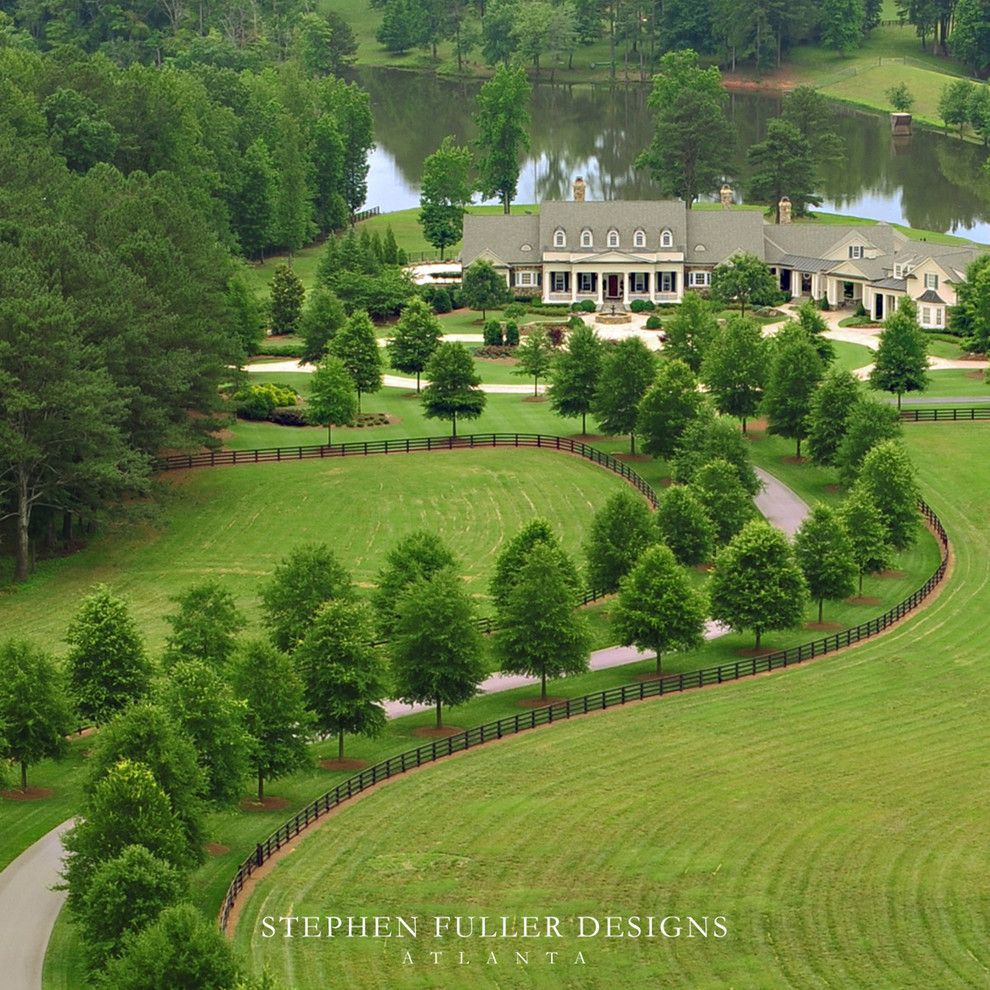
(833, 814)
(851, 356)
(236, 524)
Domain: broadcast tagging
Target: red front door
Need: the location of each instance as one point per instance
(612, 290)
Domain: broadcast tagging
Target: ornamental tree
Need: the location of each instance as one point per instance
(333, 399)
(825, 555)
(438, 652)
(107, 664)
(888, 478)
(301, 582)
(356, 345)
(722, 496)
(276, 718)
(620, 531)
(757, 583)
(345, 676)
(540, 632)
(831, 405)
(35, 711)
(690, 330)
(735, 368)
(124, 895)
(417, 336)
(863, 522)
(416, 557)
(574, 376)
(482, 287)
(901, 362)
(672, 402)
(535, 357)
(794, 374)
(744, 279)
(683, 525)
(205, 709)
(515, 553)
(454, 386)
(323, 317)
(205, 625)
(868, 424)
(658, 608)
(628, 370)
(285, 307)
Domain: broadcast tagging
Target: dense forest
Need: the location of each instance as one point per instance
(139, 161)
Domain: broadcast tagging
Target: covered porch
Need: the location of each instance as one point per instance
(612, 286)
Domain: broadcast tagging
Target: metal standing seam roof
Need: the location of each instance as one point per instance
(931, 296)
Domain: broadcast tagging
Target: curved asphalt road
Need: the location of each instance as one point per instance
(29, 907)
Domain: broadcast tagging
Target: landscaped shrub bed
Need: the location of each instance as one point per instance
(258, 401)
(371, 419)
(495, 351)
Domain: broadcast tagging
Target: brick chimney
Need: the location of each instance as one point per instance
(725, 195)
(784, 210)
(579, 188)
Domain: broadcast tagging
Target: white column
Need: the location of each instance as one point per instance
(601, 288)
(573, 285)
(625, 287)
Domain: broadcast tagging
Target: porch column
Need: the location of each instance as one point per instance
(573, 285)
(625, 288)
(600, 281)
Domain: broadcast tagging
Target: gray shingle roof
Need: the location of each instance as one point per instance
(803, 263)
(722, 233)
(503, 237)
(895, 284)
(813, 240)
(651, 216)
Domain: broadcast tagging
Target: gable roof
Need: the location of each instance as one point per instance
(503, 240)
(722, 233)
(625, 216)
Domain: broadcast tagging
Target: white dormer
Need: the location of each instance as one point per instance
(855, 251)
(587, 240)
(613, 238)
(559, 238)
(666, 238)
(639, 238)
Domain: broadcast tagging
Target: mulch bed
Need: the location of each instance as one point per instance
(703, 568)
(824, 626)
(633, 458)
(794, 459)
(216, 849)
(344, 764)
(29, 794)
(890, 574)
(752, 651)
(535, 398)
(833, 489)
(540, 702)
(269, 804)
(435, 732)
(864, 600)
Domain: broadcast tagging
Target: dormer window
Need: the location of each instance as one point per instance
(898, 271)
(931, 281)
(666, 239)
(586, 239)
(559, 238)
(855, 250)
(639, 239)
(613, 238)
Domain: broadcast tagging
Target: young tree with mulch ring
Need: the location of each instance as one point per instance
(541, 633)
(888, 477)
(795, 371)
(575, 372)
(454, 386)
(416, 557)
(333, 399)
(417, 336)
(107, 664)
(757, 583)
(901, 362)
(276, 717)
(683, 525)
(864, 525)
(825, 555)
(301, 582)
(657, 608)
(35, 711)
(356, 345)
(628, 370)
(535, 357)
(620, 531)
(438, 652)
(345, 676)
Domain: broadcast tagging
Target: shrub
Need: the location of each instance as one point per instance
(492, 334)
(556, 333)
(511, 334)
(860, 311)
(823, 304)
(653, 323)
(641, 306)
(494, 351)
(258, 401)
(514, 311)
(438, 297)
(288, 416)
(584, 306)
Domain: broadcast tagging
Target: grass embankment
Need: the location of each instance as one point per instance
(833, 814)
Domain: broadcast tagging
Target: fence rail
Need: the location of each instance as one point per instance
(597, 701)
(918, 414)
(374, 211)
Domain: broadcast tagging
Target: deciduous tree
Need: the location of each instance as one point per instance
(502, 120)
(417, 336)
(454, 386)
(445, 190)
(512, 558)
(628, 370)
(709, 438)
(783, 164)
(795, 372)
(107, 664)
(868, 424)
(831, 406)
(690, 330)
(204, 626)
(744, 279)
(901, 362)
(842, 24)
(721, 494)
(483, 288)
(332, 399)
(575, 372)
(888, 478)
(735, 369)
(672, 402)
(757, 584)
(535, 357)
(287, 294)
(825, 555)
(864, 525)
(683, 525)
(356, 345)
(416, 557)
(658, 609)
(620, 531)
(323, 317)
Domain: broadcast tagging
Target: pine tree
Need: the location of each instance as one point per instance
(658, 609)
(356, 345)
(825, 555)
(575, 372)
(620, 531)
(628, 370)
(901, 363)
(293, 213)
(842, 23)
(253, 210)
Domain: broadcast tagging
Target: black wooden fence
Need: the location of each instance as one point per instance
(921, 414)
(365, 214)
(513, 724)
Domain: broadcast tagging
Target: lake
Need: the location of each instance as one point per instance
(930, 180)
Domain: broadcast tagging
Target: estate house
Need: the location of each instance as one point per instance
(615, 252)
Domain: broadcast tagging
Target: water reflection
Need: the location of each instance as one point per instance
(929, 181)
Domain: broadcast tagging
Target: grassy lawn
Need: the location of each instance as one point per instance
(851, 356)
(839, 825)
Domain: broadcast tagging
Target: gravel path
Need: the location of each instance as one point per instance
(29, 907)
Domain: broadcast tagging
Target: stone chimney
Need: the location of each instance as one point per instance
(725, 195)
(784, 210)
(579, 188)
